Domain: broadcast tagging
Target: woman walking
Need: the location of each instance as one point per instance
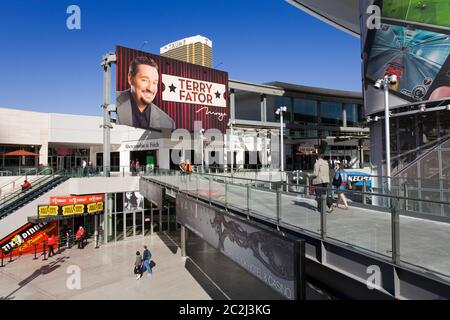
(340, 181)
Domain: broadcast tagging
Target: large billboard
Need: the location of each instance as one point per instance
(154, 92)
(411, 41)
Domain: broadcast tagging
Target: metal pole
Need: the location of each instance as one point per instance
(35, 252)
(168, 217)
(281, 137)
(278, 207)
(364, 188)
(151, 218)
(106, 63)
(10, 256)
(387, 132)
(2, 265)
(231, 147)
(45, 252)
(395, 229)
(323, 216)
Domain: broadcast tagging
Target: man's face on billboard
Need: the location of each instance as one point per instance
(144, 85)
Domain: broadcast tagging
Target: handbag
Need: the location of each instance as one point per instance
(152, 264)
(337, 182)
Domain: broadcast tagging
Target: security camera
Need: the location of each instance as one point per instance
(378, 84)
(202, 131)
(376, 118)
(448, 107)
(423, 107)
(392, 79)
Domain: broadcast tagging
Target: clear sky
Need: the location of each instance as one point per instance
(46, 67)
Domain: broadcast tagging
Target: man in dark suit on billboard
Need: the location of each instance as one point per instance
(134, 106)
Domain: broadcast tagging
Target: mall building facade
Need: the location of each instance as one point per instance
(316, 118)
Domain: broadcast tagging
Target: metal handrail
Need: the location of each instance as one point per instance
(42, 172)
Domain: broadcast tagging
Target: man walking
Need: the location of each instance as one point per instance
(146, 261)
(321, 180)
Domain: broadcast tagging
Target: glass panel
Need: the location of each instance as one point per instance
(331, 113)
(429, 171)
(237, 194)
(147, 222)
(428, 128)
(111, 227)
(407, 139)
(263, 203)
(138, 223)
(425, 243)
(305, 111)
(129, 224)
(119, 226)
(429, 207)
(367, 228)
(300, 210)
(216, 190)
(444, 125)
(446, 169)
(352, 114)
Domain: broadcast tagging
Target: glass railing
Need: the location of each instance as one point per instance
(381, 226)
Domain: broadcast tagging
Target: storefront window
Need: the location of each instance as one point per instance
(331, 113)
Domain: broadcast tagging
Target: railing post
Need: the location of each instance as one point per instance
(395, 231)
(323, 216)
(279, 206)
(10, 256)
(226, 193)
(405, 194)
(248, 197)
(209, 191)
(2, 265)
(35, 251)
(45, 252)
(364, 188)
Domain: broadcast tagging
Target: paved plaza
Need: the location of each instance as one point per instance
(106, 273)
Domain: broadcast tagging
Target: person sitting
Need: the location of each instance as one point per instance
(26, 185)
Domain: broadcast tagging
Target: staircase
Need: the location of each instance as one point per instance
(18, 199)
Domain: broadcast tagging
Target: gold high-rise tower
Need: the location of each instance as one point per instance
(196, 49)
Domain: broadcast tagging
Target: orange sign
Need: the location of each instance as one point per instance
(66, 200)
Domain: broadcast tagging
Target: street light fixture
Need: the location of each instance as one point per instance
(230, 124)
(385, 83)
(279, 112)
(202, 131)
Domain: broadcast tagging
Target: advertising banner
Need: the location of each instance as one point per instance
(266, 255)
(412, 41)
(23, 240)
(133, 201)
(154, 92)
(72, 205)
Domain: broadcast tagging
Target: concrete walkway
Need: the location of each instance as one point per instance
(105, 273)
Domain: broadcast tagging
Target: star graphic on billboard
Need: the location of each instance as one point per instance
(217, 95)
(172, 88)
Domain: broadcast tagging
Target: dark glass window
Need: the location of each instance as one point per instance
(331, 113)
(351, 110)
(305, 111)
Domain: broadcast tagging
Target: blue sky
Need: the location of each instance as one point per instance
(46, 67)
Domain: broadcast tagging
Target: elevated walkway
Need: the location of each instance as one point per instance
(343, 248)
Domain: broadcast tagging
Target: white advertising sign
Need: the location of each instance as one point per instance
(185, 90)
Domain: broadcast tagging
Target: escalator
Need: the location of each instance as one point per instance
(18, 199)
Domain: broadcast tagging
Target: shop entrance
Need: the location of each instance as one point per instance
(147, 158)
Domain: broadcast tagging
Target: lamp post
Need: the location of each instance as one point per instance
(202, 131)
(280, 111)
(385, 83)
(230, 124)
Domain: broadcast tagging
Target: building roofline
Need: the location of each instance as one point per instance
(316, 90)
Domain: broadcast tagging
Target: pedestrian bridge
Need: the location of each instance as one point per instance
(367, 251)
